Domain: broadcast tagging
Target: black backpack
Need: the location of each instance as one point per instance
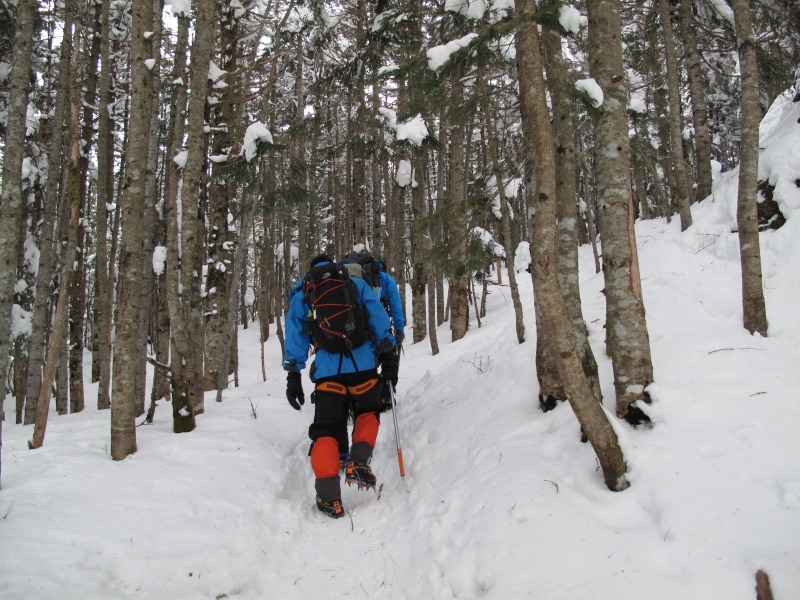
(337, 321)
(370, 271)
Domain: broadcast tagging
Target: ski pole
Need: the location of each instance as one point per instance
(397, 432)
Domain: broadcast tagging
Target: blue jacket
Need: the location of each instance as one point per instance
(326, 364)
(389, 291)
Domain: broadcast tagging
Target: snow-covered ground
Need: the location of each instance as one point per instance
(499, 500)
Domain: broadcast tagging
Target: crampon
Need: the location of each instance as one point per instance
(360, 475)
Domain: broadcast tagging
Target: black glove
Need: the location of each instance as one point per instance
(399, 336)
(390, 365)
(294, 390)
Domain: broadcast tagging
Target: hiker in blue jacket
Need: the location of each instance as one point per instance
(390, 296)
(390, 292)
(343, 381)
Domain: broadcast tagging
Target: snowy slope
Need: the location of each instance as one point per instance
(499, 501)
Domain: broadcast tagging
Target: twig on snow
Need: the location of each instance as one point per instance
(554, 483)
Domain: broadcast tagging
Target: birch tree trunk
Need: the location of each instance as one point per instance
(626, 329)
(753, 305)
(539, 143)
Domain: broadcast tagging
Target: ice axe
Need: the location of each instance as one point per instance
(397, 432)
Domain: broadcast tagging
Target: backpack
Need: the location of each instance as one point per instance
(337, 322)
(363, 264)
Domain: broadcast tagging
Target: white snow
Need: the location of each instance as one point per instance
(571, 19)
(592, 89)
(637, 103)
(390, 68)
(21, 323)
(150, 63)
(180, 158)
(723, 10)
(214, 72)
(403, 175)
(472, 9)
(487, 239)
(779, 161)
(414, 130)
(159, 260)
(439, 55)
(256, 132)
(499, 501)
(180, 7)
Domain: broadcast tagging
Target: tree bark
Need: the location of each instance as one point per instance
(11, 207)
(104, 287)
(47, 239)
(566, 203)
(494, 157)
(456, 225)
(420, 245)
(626, 329)
(538, 142)
(753, 305)
(57, 336)
(697, 93)
(219, 281)
(187, 399)
(124, 400)
(675, 122)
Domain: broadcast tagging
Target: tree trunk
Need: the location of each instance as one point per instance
(456, 225)
(506, 224)
(248, 208)
(11, 207)
(104, 287)
(697, 92)
(566, 190)
(219, 281)
(538, 142)
(58, 349)
(675, 122)
(420, 245)
(124, 399)
(59, 327)
(47, 239)
(626, 329)
(187, 397)
(753, 305)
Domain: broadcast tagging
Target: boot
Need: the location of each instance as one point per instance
(360, 474)
(333, 509)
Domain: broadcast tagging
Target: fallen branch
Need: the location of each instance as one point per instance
(731, 349)
(165, 369)
(554, 483)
